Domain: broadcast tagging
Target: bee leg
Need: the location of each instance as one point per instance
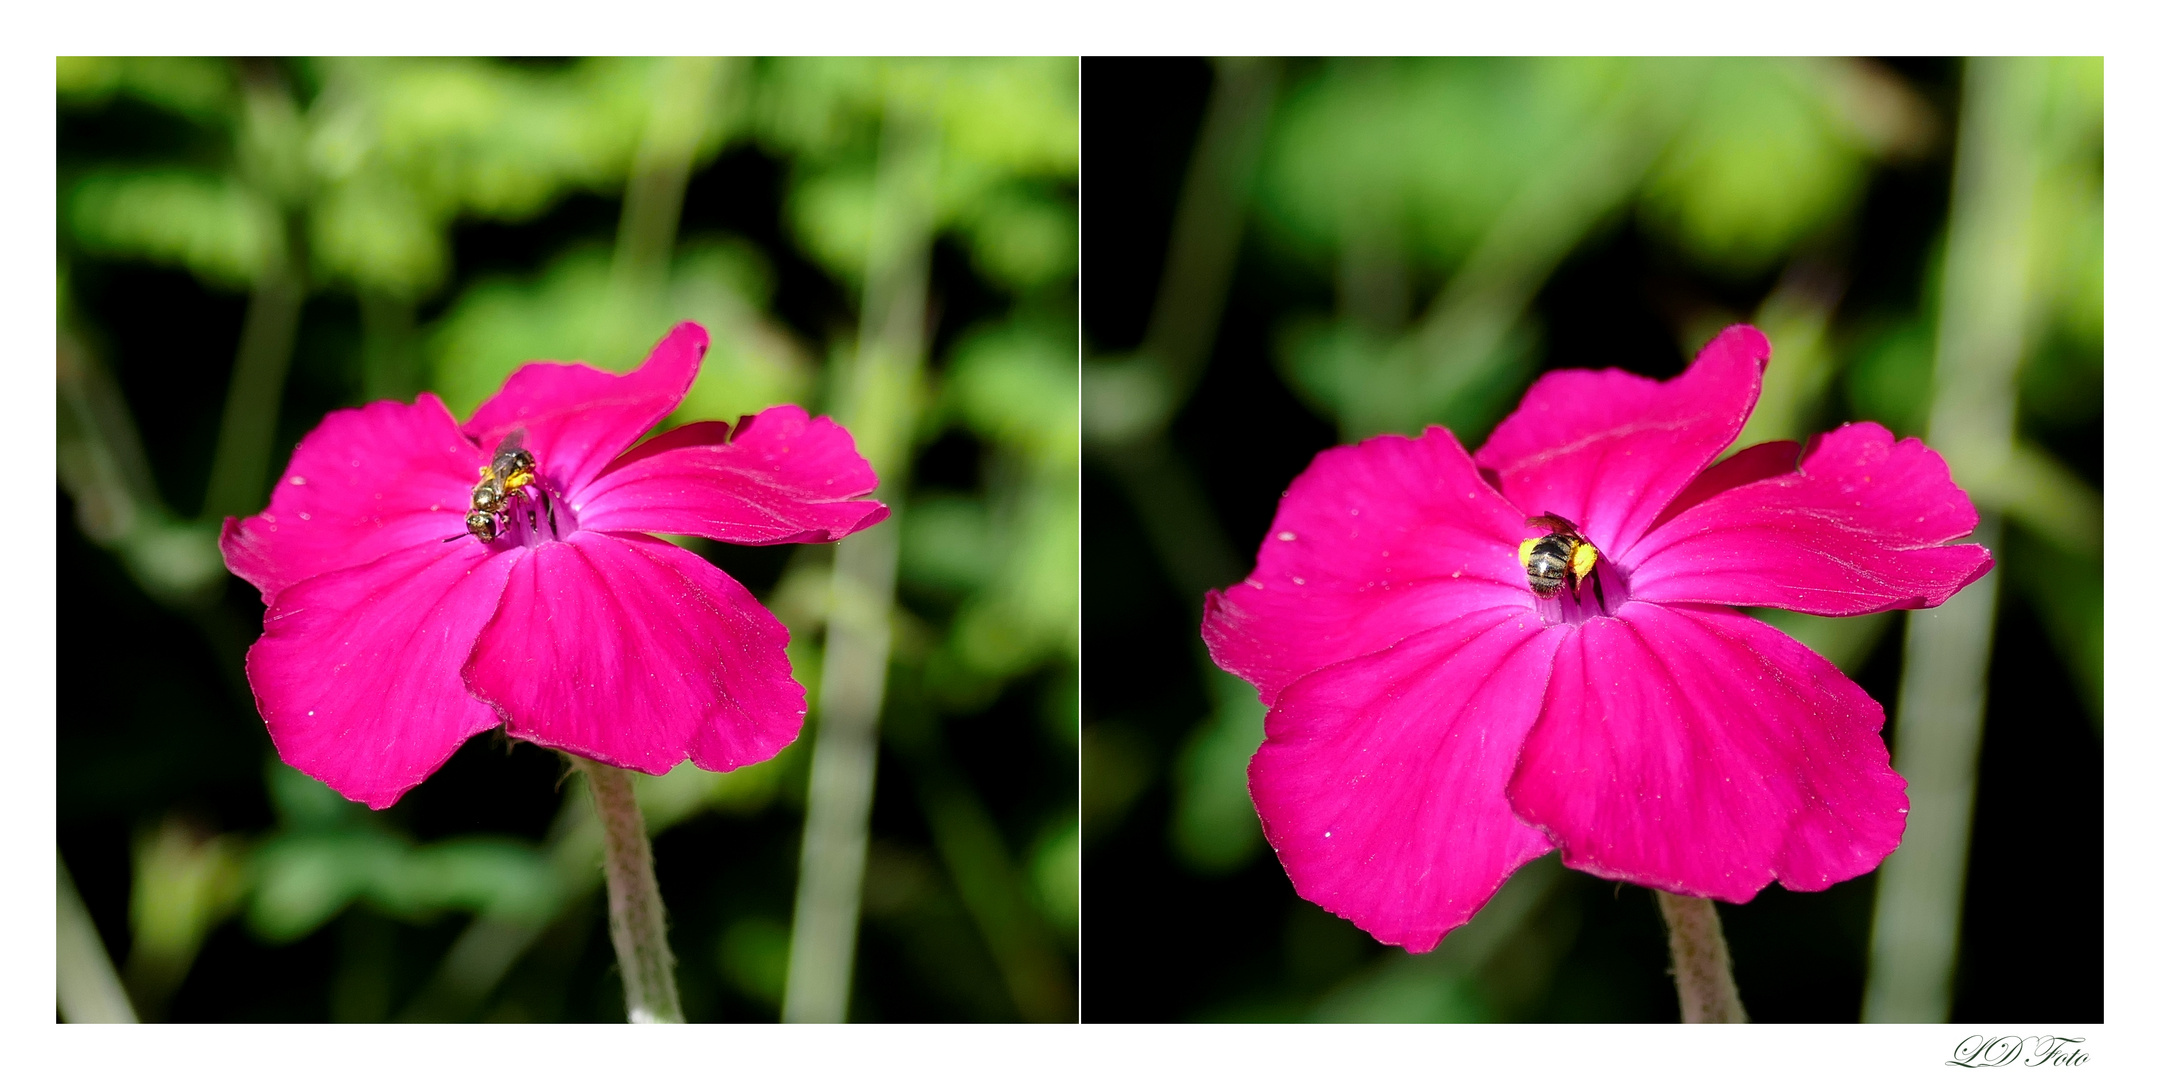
(1598, 587)
(550, 504)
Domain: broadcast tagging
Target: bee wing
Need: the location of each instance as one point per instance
(504, 461)
(1552, 523)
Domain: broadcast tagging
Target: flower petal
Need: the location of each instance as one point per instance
(364, 483)
(1608, 450)
(1856, 528)
(783, 478)
(357, 670)
(1382, 783)
(1758, 462)
(1699, 751)
(634, 652)
(1371, 544)
(577, 418)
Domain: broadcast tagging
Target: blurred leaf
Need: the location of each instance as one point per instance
(1764, 162)
(471, 873)
(302, 881)
(1018, 383)
(186, 882)
(331, 852)
(833, 215)
(1876, 108)
(1213, 825)
(199, 88)
(754, 362)
(754, 958)
(1014, 115)
(305, 804)
(208, 224)
(1033, 610)
(2035, 489)
(1021, 239)
(1892, 374)
(1055, 870)
(1406, 993)
(1116, 765)
(1009, 115)
(2060, 380)
(1796, 318)
(374, 234)
(1429, 149)
(482, 136)
(1000, 120)
(949, 543)
(569, 313)
(1394, 382)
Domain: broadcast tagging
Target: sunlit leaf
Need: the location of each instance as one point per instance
(377, 235)
(1019, 384)
(1213, 826)
(1762, 163)
(304, 880)
(571, 311)
(205, 223)
(1891, 375)
(1055, 873)
(199, 88)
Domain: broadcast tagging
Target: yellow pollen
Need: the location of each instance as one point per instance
(1583, 561)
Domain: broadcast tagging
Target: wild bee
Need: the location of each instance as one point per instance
(512, 468)
(502, 480)
(1560, 557)
(483, 527)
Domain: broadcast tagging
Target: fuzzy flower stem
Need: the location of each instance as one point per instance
(1701, 964)
(636, 920)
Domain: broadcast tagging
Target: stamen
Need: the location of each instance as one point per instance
(510, 480)
(1602, 593)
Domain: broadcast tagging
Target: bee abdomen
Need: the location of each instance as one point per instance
(1545, 562)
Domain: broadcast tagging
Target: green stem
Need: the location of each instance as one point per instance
(636, 919)
(269, 154)
(1701, 965)
(688, 91)
(90, 991)
(1209, 225)
(1980, 337)
(878, 404)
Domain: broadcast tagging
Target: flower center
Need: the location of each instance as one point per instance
(513, 505)
(1601, 592)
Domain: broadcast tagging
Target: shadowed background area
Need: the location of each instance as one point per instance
(1284, 256)
(247, 245)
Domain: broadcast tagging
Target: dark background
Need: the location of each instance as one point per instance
(1168, 939)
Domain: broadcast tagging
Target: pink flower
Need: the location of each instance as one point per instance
(1434, 723)
(394, 633)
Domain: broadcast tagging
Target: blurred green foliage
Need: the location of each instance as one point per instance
(1484, 174)
(391, 189)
